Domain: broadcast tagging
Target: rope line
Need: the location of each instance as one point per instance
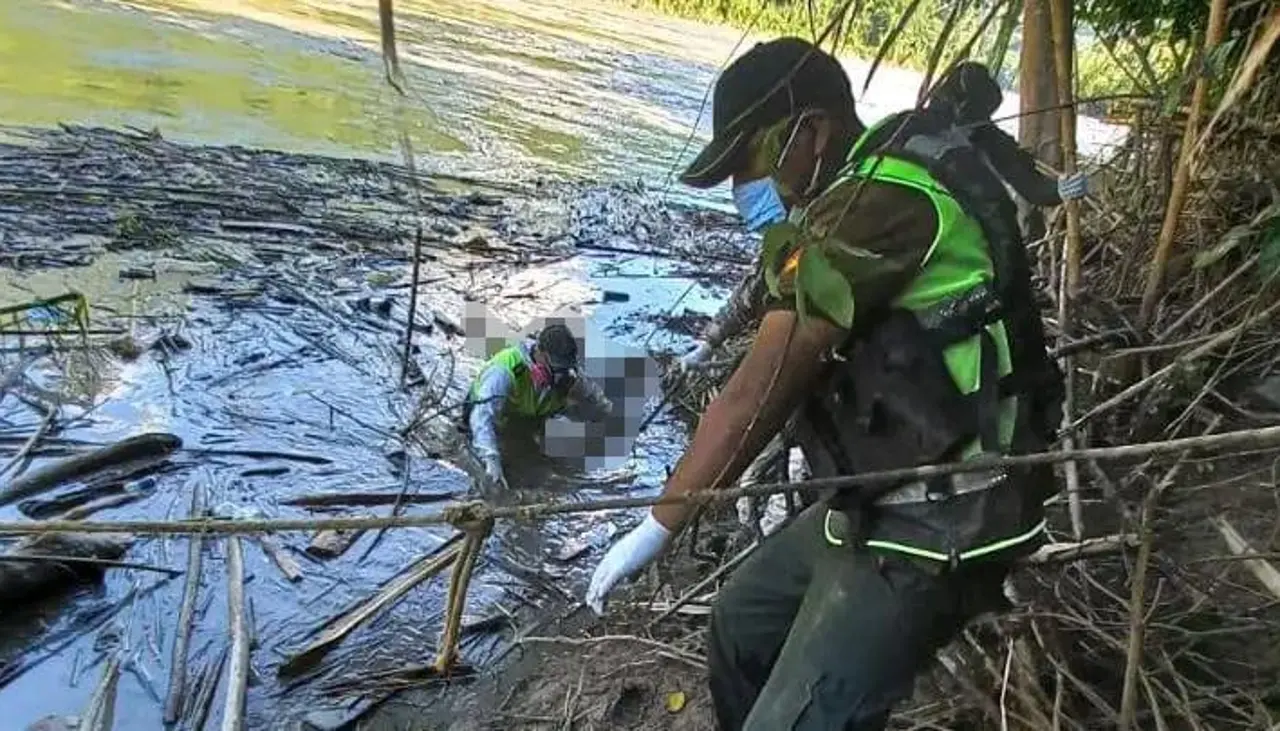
(466, 515)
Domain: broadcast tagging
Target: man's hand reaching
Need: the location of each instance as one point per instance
(635, 551)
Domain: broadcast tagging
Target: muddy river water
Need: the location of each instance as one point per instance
(534, 93)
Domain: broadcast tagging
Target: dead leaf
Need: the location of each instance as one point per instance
(676, 701)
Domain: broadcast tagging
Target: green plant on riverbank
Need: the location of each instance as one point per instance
(862, 36)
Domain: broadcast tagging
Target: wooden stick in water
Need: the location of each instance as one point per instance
(186, 616)
(238, 672)
(280, 557)
(100, 716)
(458, 585)
(340, 627)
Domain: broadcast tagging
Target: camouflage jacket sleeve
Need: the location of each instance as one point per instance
(745, 306)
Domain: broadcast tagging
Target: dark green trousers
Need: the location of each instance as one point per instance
(811, 636)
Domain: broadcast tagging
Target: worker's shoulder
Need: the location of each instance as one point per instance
(875, 215)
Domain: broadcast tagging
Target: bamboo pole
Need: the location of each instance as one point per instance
(1062, 46)
(238, 672)
(1182, 175)
(459, 582)
(1261, 439)
(186, 615)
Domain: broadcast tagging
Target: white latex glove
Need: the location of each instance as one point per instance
(629, 555)
(695, 358)
(1073, 187)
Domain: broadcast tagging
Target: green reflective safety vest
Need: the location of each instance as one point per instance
(957, 263)
(523, 400)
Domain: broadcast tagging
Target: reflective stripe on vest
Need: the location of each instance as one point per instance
(523, 399)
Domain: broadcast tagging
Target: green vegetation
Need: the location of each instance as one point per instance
(862, 36)
(1124, 45)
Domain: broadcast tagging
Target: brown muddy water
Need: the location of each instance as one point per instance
(276, 290)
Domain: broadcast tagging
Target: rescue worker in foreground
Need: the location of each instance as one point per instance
(898, 352)
(522, 386)
(963, 103)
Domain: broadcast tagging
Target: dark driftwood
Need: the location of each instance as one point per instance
(22, 580)
(141, 447)
(335, 499)
(186, 615)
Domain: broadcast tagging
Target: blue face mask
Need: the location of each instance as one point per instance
(759, 204)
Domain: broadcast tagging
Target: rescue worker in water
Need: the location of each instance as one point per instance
(894, 327)
(522, 386)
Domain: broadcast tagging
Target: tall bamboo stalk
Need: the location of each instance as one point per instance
(1182, 175)
(1062, 46)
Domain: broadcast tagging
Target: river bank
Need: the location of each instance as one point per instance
(254, 305)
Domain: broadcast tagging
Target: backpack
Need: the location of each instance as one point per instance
(935, 139)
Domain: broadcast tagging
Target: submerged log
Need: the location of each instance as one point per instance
(149, 447)
(23, 580)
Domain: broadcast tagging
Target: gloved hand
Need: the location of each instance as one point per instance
(1073, 187)
(695, 358)
(629, 555)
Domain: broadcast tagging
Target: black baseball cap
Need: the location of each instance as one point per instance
(557, 342)
(764, 86)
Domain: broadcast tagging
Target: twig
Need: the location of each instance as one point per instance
(711, 578)
(1088, 548)
(665, 649)
(395, 510)
(30, 444)
(1266, 574)
(1206, 299)
(1218, 340)
(238, 672)
(1265, 438)
(417, 258)
(1137, 625)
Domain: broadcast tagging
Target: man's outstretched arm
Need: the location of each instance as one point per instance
(736, 426)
